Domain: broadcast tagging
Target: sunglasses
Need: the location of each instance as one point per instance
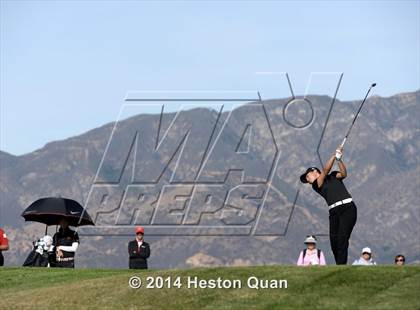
(399, 260)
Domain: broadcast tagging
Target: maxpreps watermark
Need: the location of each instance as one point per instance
(198, 163)
(193, 282)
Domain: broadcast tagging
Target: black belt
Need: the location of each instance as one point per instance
(64, 259)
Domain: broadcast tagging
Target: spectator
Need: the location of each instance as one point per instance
(365, 259)
(138, 251)
(311, 255)
(400, 260)
(66, 242)
(4, 245)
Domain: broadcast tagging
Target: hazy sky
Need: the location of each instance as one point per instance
(67, 66)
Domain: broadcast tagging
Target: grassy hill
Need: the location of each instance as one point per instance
(332, 287)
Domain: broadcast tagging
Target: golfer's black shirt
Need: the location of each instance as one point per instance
(66, 237)
(332, 190)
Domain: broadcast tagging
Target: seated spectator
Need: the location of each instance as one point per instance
(311, 255)
(400, 260)
(365, 259)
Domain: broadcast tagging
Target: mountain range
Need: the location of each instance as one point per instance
(382, 156)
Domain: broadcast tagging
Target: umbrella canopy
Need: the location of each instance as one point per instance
(51, 210)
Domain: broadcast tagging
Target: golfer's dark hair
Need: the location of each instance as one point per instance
(398, 256)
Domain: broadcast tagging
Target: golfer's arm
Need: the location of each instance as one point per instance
(327, 168)
(343, 171)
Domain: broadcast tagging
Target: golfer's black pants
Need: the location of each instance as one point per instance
(342, 220)
(1, 259)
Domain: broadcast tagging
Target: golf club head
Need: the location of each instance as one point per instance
(373, 85)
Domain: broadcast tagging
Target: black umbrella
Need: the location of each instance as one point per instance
(51, 210)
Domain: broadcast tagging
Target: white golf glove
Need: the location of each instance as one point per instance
(338, 155)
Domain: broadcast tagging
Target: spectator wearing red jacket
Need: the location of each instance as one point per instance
(4, 245)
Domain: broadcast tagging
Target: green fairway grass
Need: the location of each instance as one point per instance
(331, 287)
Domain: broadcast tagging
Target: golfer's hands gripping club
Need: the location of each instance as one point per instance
(339, 153)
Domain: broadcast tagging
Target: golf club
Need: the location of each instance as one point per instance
(357, 113)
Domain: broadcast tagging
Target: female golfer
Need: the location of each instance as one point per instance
(343, 212)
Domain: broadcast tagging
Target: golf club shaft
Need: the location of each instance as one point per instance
(357, 113)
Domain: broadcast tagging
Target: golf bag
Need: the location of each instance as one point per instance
(40, 255)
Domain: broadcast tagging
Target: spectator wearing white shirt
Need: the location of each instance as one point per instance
(365, 259)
